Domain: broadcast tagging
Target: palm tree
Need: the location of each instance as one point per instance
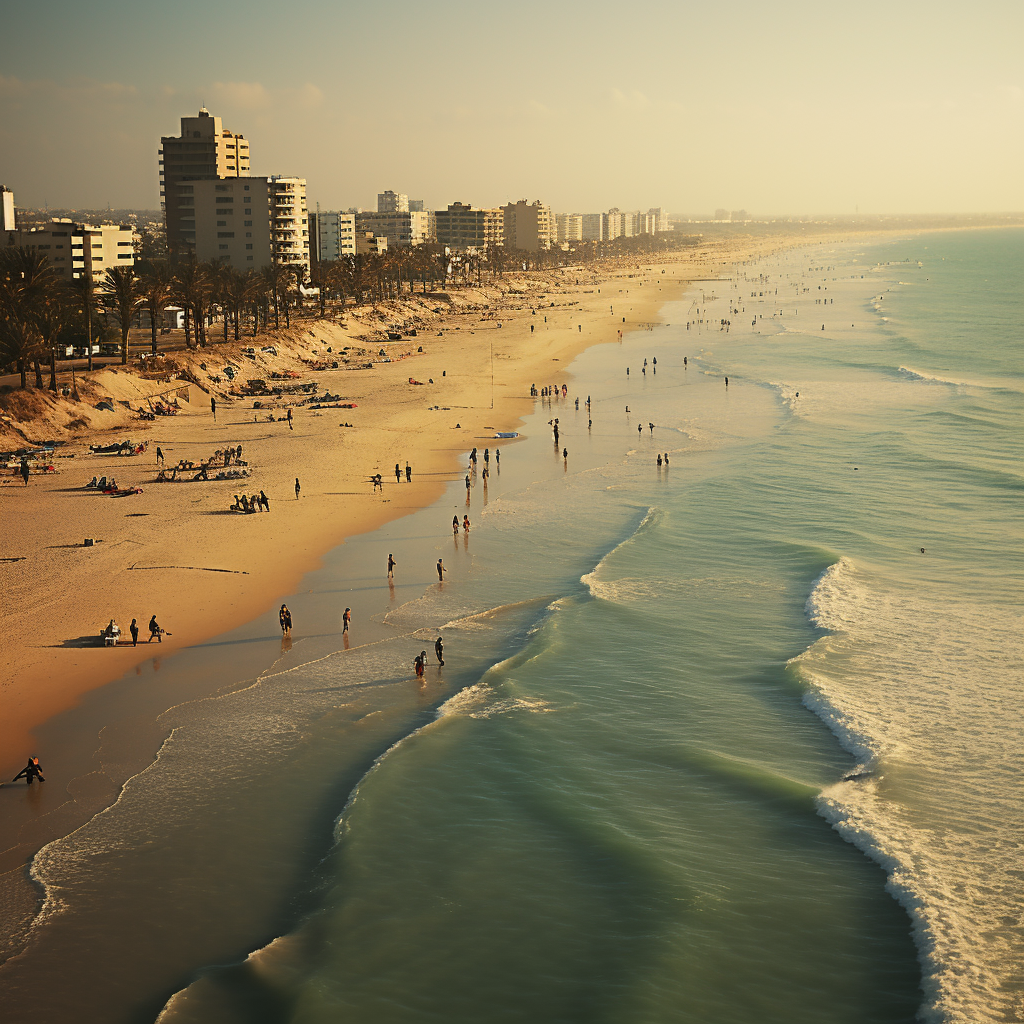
(239, 288)
(122, 295)
(156, 293)
(25, 277)
(55, 319)
(277, 279)
(189, 288)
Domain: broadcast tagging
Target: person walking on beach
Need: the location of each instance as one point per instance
(159, 456)
(455, 525)
(32, 771)
(651, 425)
(391, 566)
(134, 630)
(285, 618)
(465, 524)
(264, 501)
(24, 471)
(640, 429)
(666, 458)
(497, 456)
(726, 381)
(297, 488)
(441, 570)
(467, 487)
(398, 473)
(346, 619)
(659, 460)
(213, 407)
(290, 427)
(155, 631)
(439, 651)
(408, 473)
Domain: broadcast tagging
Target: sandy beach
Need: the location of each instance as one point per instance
(176, 550)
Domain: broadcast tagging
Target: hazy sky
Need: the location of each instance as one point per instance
(777, 107)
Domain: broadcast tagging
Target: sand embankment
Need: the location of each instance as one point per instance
(176, 551)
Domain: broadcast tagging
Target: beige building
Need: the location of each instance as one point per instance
(401, 228)
(247, 223)
(367, 242)
(528, 226)
(206, 150)
(593, 227)
(463, 227)
(78, 250)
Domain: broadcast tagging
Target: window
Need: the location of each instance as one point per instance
(246, 188)
(248, 211)
(248, 223)
(248, 234)
(221, 246)
(225, 234)
(248, 245)
(222, 223)
(225, 199)
(124, 255)
(123, 243)
(220, 188)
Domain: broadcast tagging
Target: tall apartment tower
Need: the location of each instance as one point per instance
(528, 226)
(393, 202)
(6, 209)
(205, 151)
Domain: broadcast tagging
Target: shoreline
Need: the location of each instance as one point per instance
(68, 596)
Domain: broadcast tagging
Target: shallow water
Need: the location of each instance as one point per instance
(614, 801)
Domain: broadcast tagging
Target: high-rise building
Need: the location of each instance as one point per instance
(593, 227)
(569, 227)
(463, 227)
(77, 250)
(400, 227)
(7, 221)
(205, 151)
(392, 202)
(528, 226)
(416, 206)
(331, 235)
(661, 222)
(247, 223)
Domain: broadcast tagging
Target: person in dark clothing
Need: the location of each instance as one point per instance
(346, 620)
(159, 455)
(398, 473)
(24, 471)
(408, 473)
(439, 651)
(213, 408)
(455, 524)
(497, 455)
(297, 488)
(30, 772)
(134, 630)
(155, 631)
(391, 567)
(264, 501)
(419, 663)
(285, 618)
(441, 570)
(290, 427)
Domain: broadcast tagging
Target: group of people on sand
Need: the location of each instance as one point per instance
(112, 633)
(419, 663)
(254, 503)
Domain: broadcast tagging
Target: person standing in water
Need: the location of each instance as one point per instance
(497, 455)
(346, 619)
(439, 651)
(285, 618)
(32, 771)
(465, 524)
(455, 525)
(441, 570)
(391, 566)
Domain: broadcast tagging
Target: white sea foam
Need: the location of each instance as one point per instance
(921, 692)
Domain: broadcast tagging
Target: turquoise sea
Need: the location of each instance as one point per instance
(714, 743)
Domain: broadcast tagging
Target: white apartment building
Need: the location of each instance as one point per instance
(661, 222)
(248, 223)
(78, 250)
(331, 235)
(569, 227)
(393, 202)
(7, 222)
(400, 228)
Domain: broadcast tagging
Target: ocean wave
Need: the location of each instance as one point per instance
(482, 701)
(917, 690)
(650, 520)
(930, 378)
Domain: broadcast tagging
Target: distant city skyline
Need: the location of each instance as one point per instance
(791, 109)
